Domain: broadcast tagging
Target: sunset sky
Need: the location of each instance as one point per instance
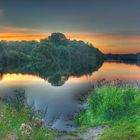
(113, 26)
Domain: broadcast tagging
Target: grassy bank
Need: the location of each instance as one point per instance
(20, 124)
(119, 108)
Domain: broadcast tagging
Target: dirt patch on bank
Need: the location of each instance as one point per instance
(90, 134)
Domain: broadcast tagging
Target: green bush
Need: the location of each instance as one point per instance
(112, 102)
(119, 108)
(107, 104)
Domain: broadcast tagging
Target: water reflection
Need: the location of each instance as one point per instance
(58, 105)
(55, 74)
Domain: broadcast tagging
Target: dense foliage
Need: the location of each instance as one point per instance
(56, 56)
(56, 49)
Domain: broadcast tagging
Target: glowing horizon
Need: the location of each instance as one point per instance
(106, 43)
(111, 26)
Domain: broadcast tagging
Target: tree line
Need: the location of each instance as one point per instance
(54, 55)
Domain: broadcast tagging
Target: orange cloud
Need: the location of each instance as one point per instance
(109, 43)
(12, 29)
(19, 37)
(106, 43)
(95, 36)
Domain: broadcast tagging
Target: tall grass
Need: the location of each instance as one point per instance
(115, 106)
(11, 120)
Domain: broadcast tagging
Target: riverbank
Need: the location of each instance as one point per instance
(116, 107)
(112, 113)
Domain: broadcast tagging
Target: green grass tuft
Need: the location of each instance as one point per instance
(116, 107)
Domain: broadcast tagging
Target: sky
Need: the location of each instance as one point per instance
(113, 26)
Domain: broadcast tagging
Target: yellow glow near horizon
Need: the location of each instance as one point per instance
(20, 79)
(109, 71)
(106, 43)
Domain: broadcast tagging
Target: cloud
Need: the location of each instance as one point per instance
(109, 42)
(106, 42)
(12, 33)
(12, 29)
(99, 36)
(18, 37)
(1, 12)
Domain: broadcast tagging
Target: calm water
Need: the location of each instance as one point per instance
(59, 104)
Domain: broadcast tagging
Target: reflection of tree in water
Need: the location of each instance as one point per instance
(57, 80)
(56, 74)
(52, 59)
(1, 76)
